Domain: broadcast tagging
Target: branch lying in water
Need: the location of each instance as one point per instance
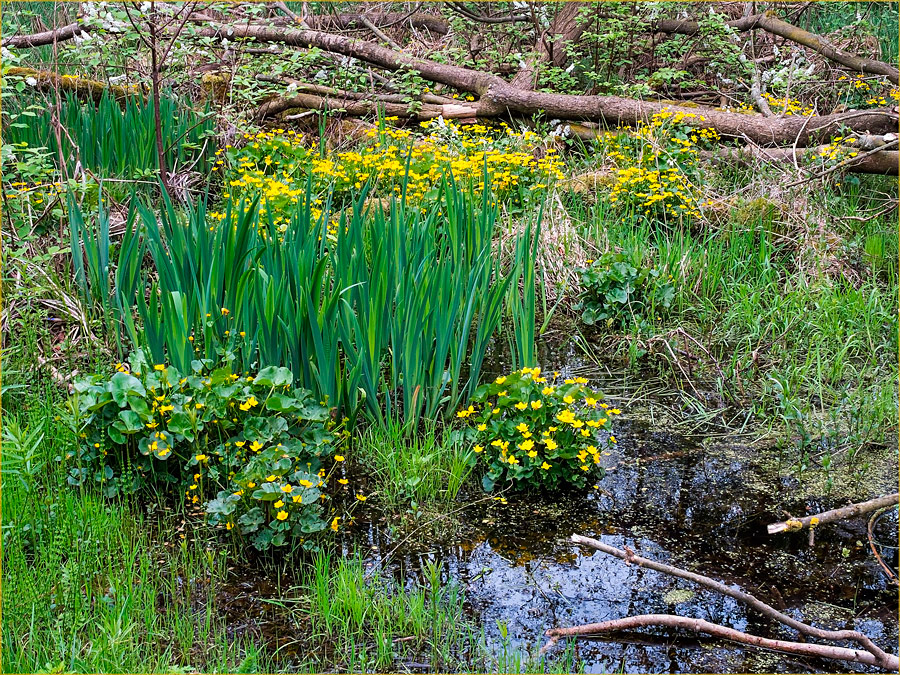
(699, 625)
(879, 656)
(835, 514)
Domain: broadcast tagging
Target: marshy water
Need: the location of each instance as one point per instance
(697, 499)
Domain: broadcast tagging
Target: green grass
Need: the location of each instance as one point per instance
(95, 585)
(372, 624)
(815, 321)
(413, 468)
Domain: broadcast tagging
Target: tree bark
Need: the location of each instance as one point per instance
(391, 105)
(885, 660)
(550, 46)
(882, 163)
(772, 24)
(699, 625)
(60, 34)
(81, 86)
(837, 514)
(499, 97)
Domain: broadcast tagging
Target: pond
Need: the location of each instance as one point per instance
(699, 500)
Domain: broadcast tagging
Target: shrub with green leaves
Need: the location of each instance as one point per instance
(622, 289)
(531, 431)
(256, 442)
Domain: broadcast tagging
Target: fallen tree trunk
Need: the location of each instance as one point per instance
(883, 163)
(699, 625)
(390, 105)
(850, 511)
(770, 23)
(498, 97)
(48, 37)
(885, 660)
(83, 87)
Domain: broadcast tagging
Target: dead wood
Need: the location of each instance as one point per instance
(770, 23)
(498, 97)
(550, 47)
(82, 87)
(701, 626)
(844, 513)
(883, 163)
(48, 37)
(883, 659)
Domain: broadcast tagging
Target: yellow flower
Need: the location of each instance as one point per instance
(566, 417)
(286, 488)
(338, 458)
(546, 391)
(532, 454)
(271, 478)
(526, 445)
(282, 515)
(256, 446)
(305, 483)
(342, 481)
(522, 427)
(615, 411)
(590, 401)
(361, 498)
(159, 367)
(478, 448)
(536, 405)
(545, 466)
(482, 427)
(297, 499)
(521, 405)
(251, 484)
(500, 380)
(334, 523)
(201, 458)
(568, 400)
(165, 409)
(512, 459)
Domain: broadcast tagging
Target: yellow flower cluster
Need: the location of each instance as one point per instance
(649, 188)
(276, 165)
(535, 430)
(650, 175)
(838, 150)
(787, 106)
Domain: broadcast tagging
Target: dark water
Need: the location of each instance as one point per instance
(697, 499)
(703, 509)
